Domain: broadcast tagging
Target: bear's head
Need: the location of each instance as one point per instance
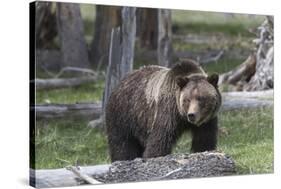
(198, 99)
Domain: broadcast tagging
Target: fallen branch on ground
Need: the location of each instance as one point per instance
(44, 178)
(75, 69)
(56, 83)
(81, 175)
(87, 111)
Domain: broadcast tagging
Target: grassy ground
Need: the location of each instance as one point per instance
(83, 93)
(247, 136)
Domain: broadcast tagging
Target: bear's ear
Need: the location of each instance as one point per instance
(213, 79)
(182, 81)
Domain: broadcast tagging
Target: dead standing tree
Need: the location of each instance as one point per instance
(256, 73)
(70, 28)
(121, 56)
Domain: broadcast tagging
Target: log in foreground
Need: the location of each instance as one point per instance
(174, 166)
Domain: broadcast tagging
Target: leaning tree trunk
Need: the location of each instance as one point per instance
(70, 27)
(164, 47)
(107, 17)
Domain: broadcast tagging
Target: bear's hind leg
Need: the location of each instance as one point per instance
(204, 138)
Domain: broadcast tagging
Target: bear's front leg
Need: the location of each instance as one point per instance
(204, 137)
(159, 143)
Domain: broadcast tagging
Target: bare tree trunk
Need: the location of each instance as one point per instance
(121, 55)
(147, 27)
(107, 17)
(71, 33)
(164, 48)
(46, 29)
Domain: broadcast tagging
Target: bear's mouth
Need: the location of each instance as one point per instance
(197, 122)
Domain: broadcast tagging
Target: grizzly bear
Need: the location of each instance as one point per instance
(152, 107)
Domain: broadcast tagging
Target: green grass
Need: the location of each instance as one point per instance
(85, 93)
(221, 66)
(68, 142)
(245, 135)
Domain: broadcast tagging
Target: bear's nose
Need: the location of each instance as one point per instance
(191, 117)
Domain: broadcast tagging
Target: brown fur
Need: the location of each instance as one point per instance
(147, 112)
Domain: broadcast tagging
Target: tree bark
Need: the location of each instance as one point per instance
(45, 26)
(121, 55)
(164, 47)
(107, 18)
(71, 33)
(263, 78)
(147, 27)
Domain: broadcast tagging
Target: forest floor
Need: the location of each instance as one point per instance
(245, 135)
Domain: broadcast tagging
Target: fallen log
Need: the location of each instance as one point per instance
(87, 111)
(62, 177)
(246, 100)
(92, 111)
(174, 166)
(56, 83)
(266, 94)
